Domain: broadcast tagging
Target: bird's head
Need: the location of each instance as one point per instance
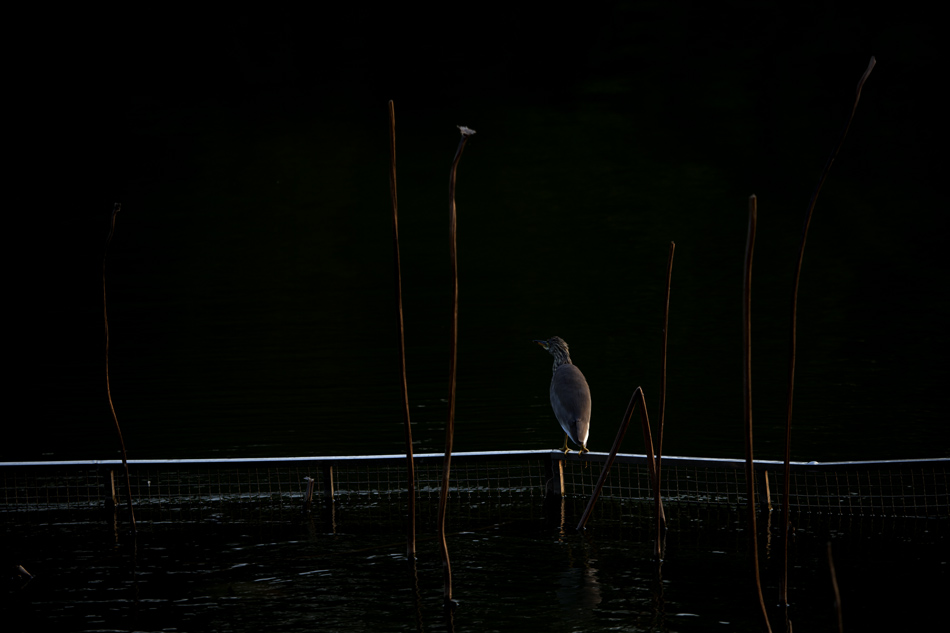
(557, 348)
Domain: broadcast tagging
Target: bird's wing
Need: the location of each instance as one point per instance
(570, 399)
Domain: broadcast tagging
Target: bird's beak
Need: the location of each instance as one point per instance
(543, 344)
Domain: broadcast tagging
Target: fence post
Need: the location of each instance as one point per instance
(111, 502)
(308, 495)
(328, 482)
(554, 477)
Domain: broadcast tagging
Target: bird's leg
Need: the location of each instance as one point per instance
(565, 448)
(583, 450)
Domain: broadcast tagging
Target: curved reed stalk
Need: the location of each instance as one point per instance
(793, 343)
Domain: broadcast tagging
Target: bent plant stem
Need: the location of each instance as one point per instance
(621, 431)
(747, 401)
(115, 419)
(654, 475)
(410, 466)
(636, 398)
(453, 348)
(793, 342)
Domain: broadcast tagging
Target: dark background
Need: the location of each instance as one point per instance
(250, 278)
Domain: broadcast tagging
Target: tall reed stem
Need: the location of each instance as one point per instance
(453, 356)
(410, 465)
(661, 516)
(747, 402)
(105, 317)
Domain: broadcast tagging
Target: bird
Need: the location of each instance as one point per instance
(570, 395)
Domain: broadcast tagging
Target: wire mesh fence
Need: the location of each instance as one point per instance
(190, 490)
(906, 488)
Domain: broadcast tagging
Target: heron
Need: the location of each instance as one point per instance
(570, 395)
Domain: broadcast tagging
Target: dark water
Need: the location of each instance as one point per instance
(250, 280)
(515, 569)
(251, 293)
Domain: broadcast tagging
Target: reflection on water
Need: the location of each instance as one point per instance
(511, 573)
(579, 590)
